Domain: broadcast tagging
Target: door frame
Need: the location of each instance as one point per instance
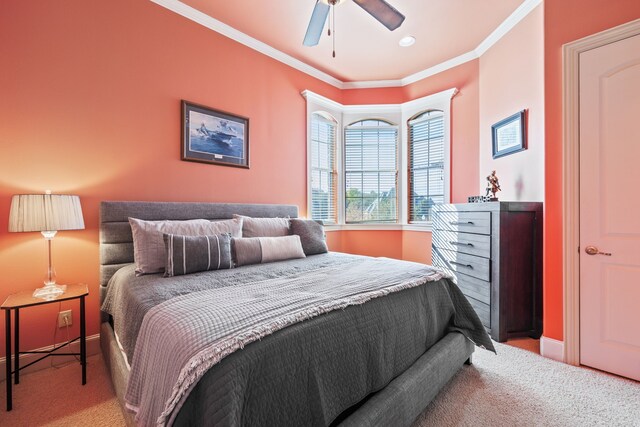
(571, 178)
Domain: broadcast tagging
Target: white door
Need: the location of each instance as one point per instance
(610, 208)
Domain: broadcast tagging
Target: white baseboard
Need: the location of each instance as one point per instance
(93, 347)
(552, 349)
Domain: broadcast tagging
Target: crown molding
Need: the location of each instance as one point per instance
(434, 99)
(220, 27)
(205, 20)
(443, 66)
(507, 25)
(321, 100)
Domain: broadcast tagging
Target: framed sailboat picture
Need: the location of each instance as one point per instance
(213, 136)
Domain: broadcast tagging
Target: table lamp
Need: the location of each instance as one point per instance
(47, 213)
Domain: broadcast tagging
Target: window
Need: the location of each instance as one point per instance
(371, 170)
(367, 172)
(426, 164)
(323, 167)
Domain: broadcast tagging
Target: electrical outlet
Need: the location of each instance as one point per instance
(65, 315)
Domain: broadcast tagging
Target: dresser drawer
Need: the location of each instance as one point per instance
(474, 288)
(467, 243)
(482, 310)
(468, 222)
(470, 265)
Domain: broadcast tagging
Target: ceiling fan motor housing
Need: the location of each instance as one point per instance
(382, 11)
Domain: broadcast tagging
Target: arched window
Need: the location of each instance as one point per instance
(323, 174)
(371, 171)
(426, 164)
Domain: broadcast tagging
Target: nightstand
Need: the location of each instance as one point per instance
(25, 299)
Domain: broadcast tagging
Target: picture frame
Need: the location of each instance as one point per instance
(509, 135)
(214, 137)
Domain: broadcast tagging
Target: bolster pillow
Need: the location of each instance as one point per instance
(256, 250)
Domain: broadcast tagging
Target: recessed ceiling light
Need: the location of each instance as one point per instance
(407, 41)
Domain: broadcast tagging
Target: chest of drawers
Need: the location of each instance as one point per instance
(494, 250)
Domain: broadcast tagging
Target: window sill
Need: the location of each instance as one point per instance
(378, 227)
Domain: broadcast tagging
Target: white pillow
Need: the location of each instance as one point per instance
(264, 227)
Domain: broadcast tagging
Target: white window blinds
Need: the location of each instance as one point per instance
(426, 164)
(323, 168)
(371, 170)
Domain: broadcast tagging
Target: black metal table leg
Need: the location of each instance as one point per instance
(83, 343)
(8, 356)
(17, 302)
(16, 360)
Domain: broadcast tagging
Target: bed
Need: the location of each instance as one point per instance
(379, 361)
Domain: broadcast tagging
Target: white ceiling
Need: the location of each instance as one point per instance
(447, 32)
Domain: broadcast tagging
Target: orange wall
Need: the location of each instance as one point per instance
(407, 245)
(387, 95)
(416, 246)
(565, 21)
(377, 243)
(511, 80)
(90, 104)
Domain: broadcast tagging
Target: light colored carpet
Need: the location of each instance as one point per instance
(521, 388)
(515, 388)
(56, 397)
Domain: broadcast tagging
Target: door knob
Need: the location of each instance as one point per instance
(592, 250)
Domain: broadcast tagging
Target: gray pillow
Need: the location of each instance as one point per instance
(311, 235)
(246, 251)
(255, 250)
(148, 248)
(264, 227)
(190, 254)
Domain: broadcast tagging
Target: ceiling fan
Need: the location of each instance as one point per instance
(386, 14)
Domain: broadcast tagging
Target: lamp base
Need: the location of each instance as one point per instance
(50, 291)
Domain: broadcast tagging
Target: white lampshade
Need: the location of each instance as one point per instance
(45, 212)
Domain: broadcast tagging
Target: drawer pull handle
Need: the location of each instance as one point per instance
(462, 244)
(461, 222)
(462, 265)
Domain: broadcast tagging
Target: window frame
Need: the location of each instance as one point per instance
(390, 125)
(446, 170)
(332, 172)
(394, 113)
(440, 101)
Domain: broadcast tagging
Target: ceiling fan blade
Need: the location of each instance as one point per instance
(383, 12)
(316, 24)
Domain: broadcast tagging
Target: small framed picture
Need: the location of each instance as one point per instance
(510, 135)
(215, 137)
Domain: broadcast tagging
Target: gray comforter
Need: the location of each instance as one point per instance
(356, 350)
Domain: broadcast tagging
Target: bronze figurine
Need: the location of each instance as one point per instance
(493, 186)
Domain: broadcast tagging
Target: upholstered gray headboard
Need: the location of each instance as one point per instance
(116, 242)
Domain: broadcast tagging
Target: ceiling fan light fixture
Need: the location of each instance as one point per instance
(407, 41)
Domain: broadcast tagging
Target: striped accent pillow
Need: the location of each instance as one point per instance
(190, 254)
(148, 249)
